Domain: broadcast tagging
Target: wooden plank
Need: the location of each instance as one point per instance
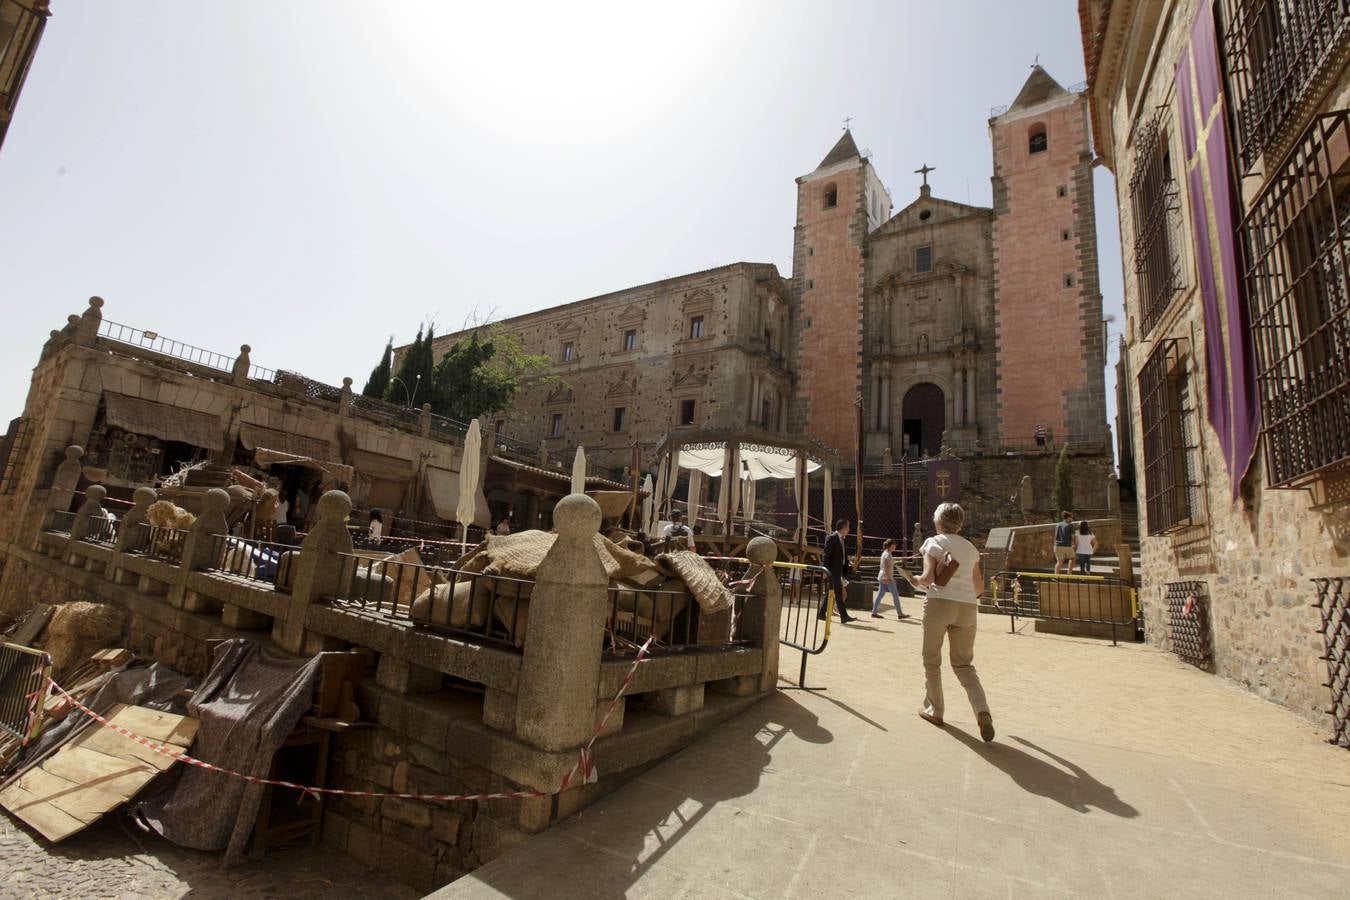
(95, 773)
(33, 625)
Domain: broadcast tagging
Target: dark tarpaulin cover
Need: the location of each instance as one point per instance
(247, 705)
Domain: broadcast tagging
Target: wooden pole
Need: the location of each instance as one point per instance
(633, 505)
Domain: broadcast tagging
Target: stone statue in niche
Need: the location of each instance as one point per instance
(922, 343)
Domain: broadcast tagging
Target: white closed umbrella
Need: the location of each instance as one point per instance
(466, 510)
(659, 498)
(695, 495)
(647, 503)
(828, 510)
(579, 472)
(749, 497)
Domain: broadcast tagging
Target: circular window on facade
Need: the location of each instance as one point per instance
(925, 214)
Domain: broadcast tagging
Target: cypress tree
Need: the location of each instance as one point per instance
(378, 382)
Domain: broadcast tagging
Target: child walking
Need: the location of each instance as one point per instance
(886, 582)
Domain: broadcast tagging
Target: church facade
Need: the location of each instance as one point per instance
(970, 328)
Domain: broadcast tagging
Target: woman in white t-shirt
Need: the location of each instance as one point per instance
(1084, 545)
(950, 612)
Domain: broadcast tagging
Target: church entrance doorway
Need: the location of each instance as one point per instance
(923, 415)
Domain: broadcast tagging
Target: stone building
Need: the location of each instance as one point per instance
(1227, 125)
(705, 349)
(21, 26)
(926, 314)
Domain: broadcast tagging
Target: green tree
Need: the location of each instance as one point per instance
(377, 385)
(1063, 482)
(482, 374)
(416, 367)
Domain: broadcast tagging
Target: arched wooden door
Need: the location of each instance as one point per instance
(924, 417)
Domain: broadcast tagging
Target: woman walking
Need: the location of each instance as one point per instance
(952, 576)
(886, 582)
(1084, 545)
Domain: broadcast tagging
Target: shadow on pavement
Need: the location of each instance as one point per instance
(1065, 783)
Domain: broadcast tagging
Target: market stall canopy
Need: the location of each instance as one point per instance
(255, 436)
(443, 489)
(169, 423)
(377, 465)
(265, 456)
(757, 461)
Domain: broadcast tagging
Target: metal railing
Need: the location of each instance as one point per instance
(674, 619)
(1333, 602)
(23, 677)
(100, 530)
(62, 521)
(485, 608)
(156, 343)
(806, 595)
(1105, 600)
(257, 561)
(164, 544)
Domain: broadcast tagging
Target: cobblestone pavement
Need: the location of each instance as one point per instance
(114, 859)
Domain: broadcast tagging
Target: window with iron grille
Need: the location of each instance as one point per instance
(1298, 281)
(1278, 54)
(13, 451)
(1165, 402)
(1153, 201)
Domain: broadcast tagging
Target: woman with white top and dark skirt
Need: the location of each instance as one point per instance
(950, 612)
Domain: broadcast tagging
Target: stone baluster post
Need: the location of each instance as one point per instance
(131, 533)
(1026, 497)
(86, 329)
(761, 621)
(92, 506)
(199, 548)
(345, 398)
(64, 483)
(887, 462)
(242, 363)
(560, 671)
(1113, 493)
(424, 422)
(319, 572)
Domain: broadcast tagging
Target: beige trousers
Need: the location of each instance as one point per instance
(953, 621)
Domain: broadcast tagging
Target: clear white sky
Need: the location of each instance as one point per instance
(310, 178)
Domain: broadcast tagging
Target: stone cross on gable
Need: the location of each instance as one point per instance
(924, 170)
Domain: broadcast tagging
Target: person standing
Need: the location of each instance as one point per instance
(886, 582)
(1064, 544)
(836, 561)
(1084, 545)
(950, 612)
(376, 527)
(677, 532)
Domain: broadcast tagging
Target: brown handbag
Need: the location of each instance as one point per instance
(945, 570)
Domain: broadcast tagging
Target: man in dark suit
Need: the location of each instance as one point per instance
(836, 560)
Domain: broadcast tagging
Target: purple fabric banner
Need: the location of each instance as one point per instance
(1230, 371)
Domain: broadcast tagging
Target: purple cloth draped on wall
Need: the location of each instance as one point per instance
(1230, 372)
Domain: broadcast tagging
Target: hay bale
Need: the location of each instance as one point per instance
(77, 629)
(167, 514)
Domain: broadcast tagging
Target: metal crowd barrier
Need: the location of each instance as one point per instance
(1106, 600)
(23, 674)
(806, 590)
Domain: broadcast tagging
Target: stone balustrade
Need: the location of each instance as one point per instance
(517, 713)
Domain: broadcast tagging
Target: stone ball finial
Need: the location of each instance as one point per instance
(216, 500)
(95, 302)
(245, 348)
(346, 382)
(426, 407)
(334, 506)
(762, 551)
(144, 496)
(576, 517)
(96, 493)
(72, 319)
(74, 452)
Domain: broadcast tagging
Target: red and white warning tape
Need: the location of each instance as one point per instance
(584, 767)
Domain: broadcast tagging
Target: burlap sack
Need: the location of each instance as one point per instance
(699, 578)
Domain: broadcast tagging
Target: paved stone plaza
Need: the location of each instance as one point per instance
(1117, 772)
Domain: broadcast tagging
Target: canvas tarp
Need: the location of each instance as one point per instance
(757, 462)
(378, 465)
(254, 437)
(169, 423)
(265, 456)
(443, 489)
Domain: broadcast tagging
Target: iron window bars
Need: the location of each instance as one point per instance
(1153, 201)
(1278, 55)
(1169, 483)
(1298, 282)
(1333, 601)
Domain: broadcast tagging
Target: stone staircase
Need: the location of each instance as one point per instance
(1129, 533)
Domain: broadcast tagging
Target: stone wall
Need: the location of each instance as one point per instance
(1254, 549)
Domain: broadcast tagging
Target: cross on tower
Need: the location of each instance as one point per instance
(926, 168)
(847, 120)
